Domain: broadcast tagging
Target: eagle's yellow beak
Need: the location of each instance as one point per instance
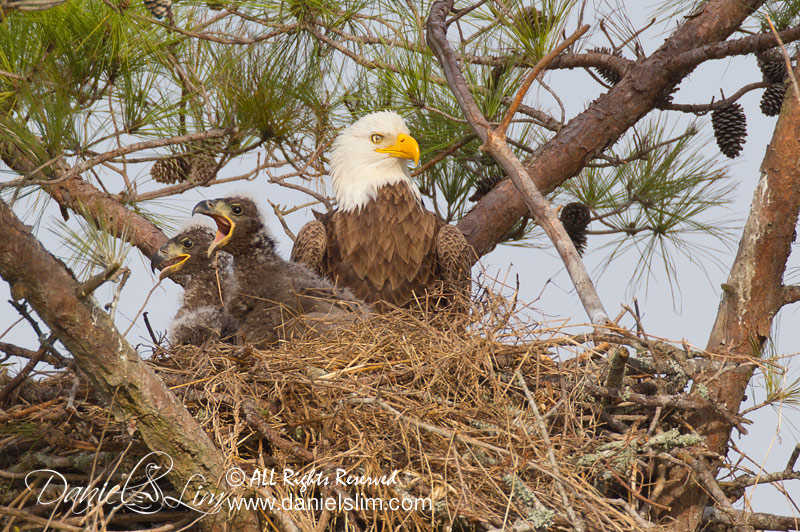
(169, 262)
(216, 211)
(406, 147)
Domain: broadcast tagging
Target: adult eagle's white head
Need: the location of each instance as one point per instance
(369, 154)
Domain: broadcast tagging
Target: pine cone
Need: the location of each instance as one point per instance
(772, 71)
(534, 18)
(203, 168)
(170, 171)
(485, 184)
(158, 8)
(575, 218)
(730, 129)
(772, 99)
(611, 77)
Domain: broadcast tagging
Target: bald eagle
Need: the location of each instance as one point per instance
(271, 292)
(381, 242)
(184, 260)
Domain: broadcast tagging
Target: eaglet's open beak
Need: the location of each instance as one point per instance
(406, 147)
(225, 226)
(169, 262)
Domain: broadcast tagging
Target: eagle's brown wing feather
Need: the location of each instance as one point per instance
(310, 246)
(387, 250)
(455, 258)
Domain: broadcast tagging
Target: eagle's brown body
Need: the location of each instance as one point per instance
(391, 250)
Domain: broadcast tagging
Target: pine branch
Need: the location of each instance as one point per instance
(757, 520)
(86, 200)
(719, 104)
(494, 141)
(111, 154)
(24, 372)
(791, 294)
(744, 46)
(605, 120)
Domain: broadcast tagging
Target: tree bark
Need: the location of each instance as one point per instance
(752, 296)
(606, 119)
(136, 395)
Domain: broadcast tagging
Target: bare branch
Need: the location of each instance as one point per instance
(746, 45)
(757, 520)
(791, 294)
(499, 149)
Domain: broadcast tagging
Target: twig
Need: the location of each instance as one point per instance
(95, 281)
(526, 85)
(282, 220)
(460, 143)
(136, 316)
(786, 58)
(122, 278)
(707, 478)
(24, 372)
(793, 458)
(20, 307)
(574, 518)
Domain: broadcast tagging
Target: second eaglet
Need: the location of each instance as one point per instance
(271, 293)
(381, 242)
(184, 260)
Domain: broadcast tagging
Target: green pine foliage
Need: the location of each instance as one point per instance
(87, 77)
(662, 197)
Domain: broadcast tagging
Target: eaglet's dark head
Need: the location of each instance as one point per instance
(239, 225)
(184, 254)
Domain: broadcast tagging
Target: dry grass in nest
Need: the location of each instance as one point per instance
(441, 403)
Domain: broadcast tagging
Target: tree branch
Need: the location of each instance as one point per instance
(494, 141)
(606, 119)
(791, 294)
(757, 520)
(86, 200)
(746, 45)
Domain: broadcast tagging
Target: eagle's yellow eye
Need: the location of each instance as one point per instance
(187, 244)
(376, 138)
(237, 209)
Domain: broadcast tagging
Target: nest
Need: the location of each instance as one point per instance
(494, 425)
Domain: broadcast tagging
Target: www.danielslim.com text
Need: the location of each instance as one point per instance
(357, 502)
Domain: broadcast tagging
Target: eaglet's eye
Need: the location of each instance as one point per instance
(237, 209)
(187, 244)
(376, 138)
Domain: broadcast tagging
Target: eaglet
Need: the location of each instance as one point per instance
(184, 260)
(272, 294)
